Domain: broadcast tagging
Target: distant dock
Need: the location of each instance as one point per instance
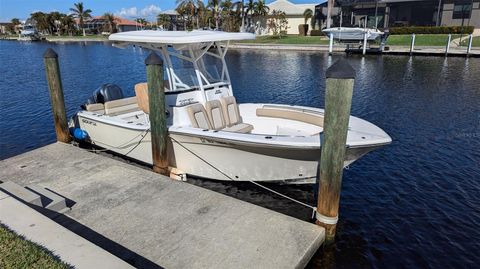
(151, 221)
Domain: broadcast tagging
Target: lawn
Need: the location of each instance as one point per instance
(289, 40)
(16, 252)
(420, 40)
(475, 41)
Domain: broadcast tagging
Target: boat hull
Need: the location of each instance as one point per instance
(216, 158)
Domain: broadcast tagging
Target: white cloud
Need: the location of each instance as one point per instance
(127, 12)
(150, 11)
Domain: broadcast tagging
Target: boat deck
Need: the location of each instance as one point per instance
(151, 221)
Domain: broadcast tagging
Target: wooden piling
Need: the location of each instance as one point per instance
(157, 115)
(54, 80)
(338, 99)
(412, 44)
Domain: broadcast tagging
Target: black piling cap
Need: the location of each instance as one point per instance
(341, 69)
(153, 58)
(50, 53)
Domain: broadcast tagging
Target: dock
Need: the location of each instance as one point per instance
(151, 221)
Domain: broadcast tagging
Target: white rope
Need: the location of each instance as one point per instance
(253, 182)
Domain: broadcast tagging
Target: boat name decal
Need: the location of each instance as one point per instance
(185, 102)
(89, 122)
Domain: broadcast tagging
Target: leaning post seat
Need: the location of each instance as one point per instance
(198, 116)
(232, 116)
(215, 114)
(97, 108)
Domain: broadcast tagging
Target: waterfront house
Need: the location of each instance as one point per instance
(99, 24)
(392, 13)
(294, 13)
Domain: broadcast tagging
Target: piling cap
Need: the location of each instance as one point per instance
(153, 58)
(50, 53)
(341, 69)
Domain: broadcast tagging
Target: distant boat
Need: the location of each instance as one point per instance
(29, 33)
(353, 33)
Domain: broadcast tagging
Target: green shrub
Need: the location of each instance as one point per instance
(431, 30)
(316, 33)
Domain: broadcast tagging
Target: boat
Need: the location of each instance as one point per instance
(29, 33)
(211, 135)
(353, 33)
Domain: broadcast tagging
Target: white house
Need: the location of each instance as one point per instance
(294, 13)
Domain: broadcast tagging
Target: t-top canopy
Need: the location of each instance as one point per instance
(178, 37)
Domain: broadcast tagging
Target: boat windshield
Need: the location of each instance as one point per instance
(195, 66)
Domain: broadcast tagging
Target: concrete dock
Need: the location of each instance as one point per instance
(151, 221)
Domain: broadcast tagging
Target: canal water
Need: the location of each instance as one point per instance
(412, 204)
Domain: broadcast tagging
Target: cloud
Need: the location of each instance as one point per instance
(150, 11)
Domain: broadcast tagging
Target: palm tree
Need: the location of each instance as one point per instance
(307, 14)
(188, 6)
(68, 24)
(250, 9)
(142, 21)
(111, 20)
(214, 4)
(164, 21)
(80, 13)
(261, 9)
(40, 21)
(240, 7)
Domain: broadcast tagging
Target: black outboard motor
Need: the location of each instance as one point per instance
(105, 93)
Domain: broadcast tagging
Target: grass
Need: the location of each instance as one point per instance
(420, 40)
(475, 41)
(289, 40)
(17, 252)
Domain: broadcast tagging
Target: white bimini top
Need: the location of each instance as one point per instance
(178, 37)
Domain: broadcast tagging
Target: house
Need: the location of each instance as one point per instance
(294, 13)
(99, 24)
(391, 13)
(175, 22)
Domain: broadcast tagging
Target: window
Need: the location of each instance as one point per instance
(462, 11)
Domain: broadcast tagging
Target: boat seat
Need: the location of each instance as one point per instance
(141, 91)
(121, 106)
(230, 110)
(239, 128)
(232, 116)
(215, 114)
(291, 115)
(198, 116)
(97, 108)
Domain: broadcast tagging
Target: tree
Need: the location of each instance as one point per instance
(307, 14)
(164, 21)
(142, 21)
(188, 7)
(111, 20)
(68, 24)
(80, 13)
(14, 23)
(278, 23)
(214, 4)
(40, 21)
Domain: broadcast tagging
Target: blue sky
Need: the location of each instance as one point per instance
(126, 8)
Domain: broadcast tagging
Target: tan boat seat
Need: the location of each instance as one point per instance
(141, 91)
(198, 116)
(230, 110)
(97, 108)
(291, 115)
(121, 106)
(215, 114)
(239, 128)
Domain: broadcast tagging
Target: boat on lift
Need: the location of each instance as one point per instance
(353, 33)
(29, 33)
(210, 134)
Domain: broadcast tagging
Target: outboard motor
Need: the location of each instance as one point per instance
(106, 92)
